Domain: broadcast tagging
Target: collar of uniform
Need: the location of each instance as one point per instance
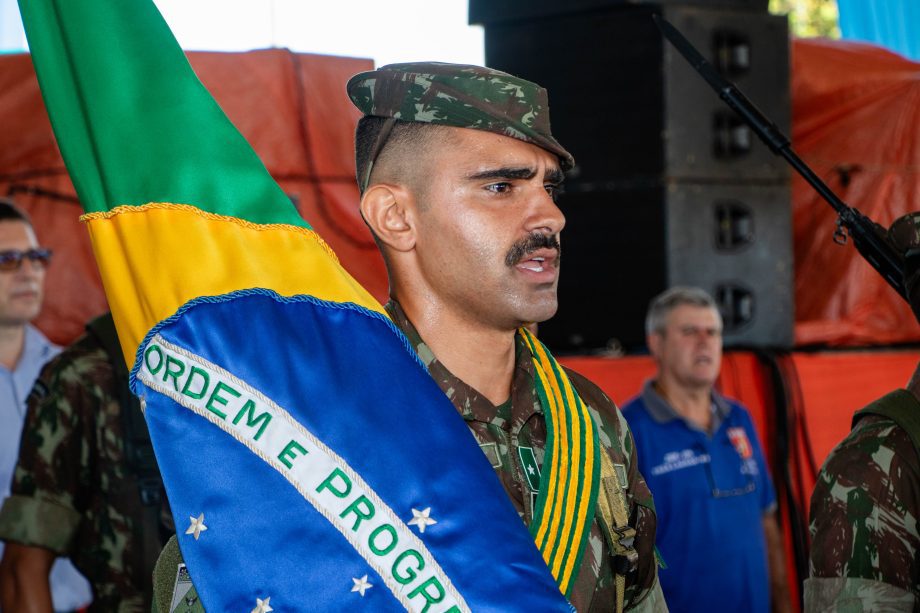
(661, 411)
(471, 404)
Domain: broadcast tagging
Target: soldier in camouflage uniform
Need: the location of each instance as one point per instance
(865, 550)
(74, 492)
(458, 171)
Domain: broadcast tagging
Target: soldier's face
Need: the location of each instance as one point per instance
(488, 228)
(20, 290)
(690, 350)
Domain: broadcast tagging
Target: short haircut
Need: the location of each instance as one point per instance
(11, 212)
(662, 305)
(406, 138)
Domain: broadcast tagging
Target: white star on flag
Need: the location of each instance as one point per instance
(262, 606)
(530, 470)
(361, 585)
(196, 526)
(422, 519)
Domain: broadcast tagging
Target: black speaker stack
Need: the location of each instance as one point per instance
(670, 187)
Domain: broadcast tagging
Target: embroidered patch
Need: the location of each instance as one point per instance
(184, 596)
(530, 467)
(677, 460)
(491, 451)
(621, 475)
(739, 439)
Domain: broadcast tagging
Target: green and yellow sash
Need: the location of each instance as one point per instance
(571, 473)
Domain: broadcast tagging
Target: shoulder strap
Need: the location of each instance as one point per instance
(901, 407)
(138, 450)
(614, 514)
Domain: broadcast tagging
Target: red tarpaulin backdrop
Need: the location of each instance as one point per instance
(856, 122)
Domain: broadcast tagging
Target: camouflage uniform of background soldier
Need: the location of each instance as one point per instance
(512, 436)
(74, 491)
(865, 549)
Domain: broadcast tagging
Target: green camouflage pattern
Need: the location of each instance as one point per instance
(72, 492)
(500, 431)
(864, 523)
(460, 96)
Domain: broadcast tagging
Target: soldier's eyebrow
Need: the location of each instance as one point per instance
(510, 173)
(554, 176)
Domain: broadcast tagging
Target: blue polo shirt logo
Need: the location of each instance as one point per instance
(739, 439)
(678, 460)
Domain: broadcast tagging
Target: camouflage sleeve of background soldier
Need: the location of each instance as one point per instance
(643, 593)
(43, 509)
(865, 549)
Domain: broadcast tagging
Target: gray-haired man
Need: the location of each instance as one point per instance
(698, 450)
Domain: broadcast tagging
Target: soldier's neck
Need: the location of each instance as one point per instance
(12, 340)
(480, 356)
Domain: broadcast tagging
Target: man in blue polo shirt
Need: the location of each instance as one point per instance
(698, 450)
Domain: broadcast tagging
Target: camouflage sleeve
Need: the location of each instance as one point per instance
(615, 434)
(864, 519)
(832, 594)
(43, 509)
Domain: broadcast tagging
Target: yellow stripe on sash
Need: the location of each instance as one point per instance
(156, 257)
(586, 421)
(559, 517)
(568, 508)
(554, 414)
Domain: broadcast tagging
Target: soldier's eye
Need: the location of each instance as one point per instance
(499, 188)
(553, 189)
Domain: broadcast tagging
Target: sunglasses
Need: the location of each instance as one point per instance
(12, 259)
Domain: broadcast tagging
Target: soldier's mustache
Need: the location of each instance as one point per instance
(531, 243)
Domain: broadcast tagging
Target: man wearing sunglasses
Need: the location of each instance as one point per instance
(698, 450)
(23, 352)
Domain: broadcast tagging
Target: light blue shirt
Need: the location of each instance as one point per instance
(69, 590)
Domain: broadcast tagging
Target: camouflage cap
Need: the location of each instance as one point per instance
(461, 96)
(904, 235)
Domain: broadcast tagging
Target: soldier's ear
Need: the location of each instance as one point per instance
(388, 211)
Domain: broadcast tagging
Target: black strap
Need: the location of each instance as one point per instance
(901, 407)
(150, 533)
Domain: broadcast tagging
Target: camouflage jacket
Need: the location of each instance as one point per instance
(72, 492)
(520, 422)
(865, 550)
